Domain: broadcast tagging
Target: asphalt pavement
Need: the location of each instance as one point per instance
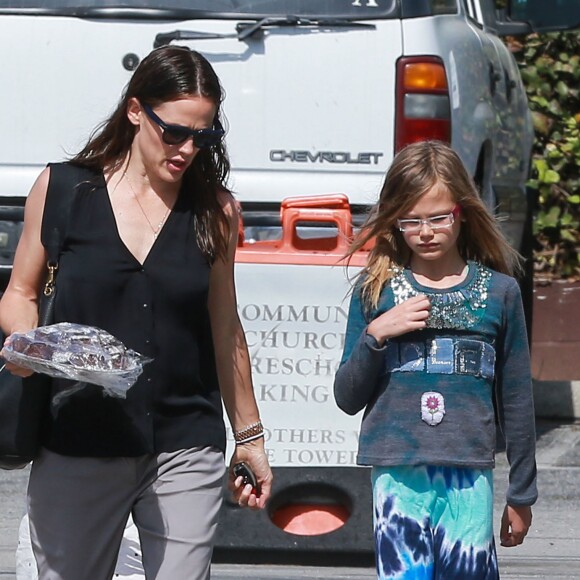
(551, 550)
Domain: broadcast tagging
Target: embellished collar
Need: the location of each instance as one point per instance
(459, 307)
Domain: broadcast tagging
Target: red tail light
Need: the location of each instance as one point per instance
(423, 108)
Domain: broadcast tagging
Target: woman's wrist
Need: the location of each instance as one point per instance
(249, 433)
(251, 439)
(254, 444)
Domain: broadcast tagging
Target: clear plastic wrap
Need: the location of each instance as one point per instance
(80, 353)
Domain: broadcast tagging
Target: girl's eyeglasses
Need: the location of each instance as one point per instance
(177, 134)
(437, 222)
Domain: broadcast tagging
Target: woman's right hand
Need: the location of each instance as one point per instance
(16, 370)
(254, 455)
(11, 367)
(410, 315)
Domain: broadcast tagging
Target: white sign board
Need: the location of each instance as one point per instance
(295, 317)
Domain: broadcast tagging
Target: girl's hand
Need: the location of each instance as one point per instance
(410, 315)
(254, 456)
(515, 523)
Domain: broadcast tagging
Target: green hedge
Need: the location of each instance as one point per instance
(550, 68)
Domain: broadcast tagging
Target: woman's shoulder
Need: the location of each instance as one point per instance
(54, 177)
(73, 168)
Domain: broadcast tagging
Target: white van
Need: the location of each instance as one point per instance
(320, 94)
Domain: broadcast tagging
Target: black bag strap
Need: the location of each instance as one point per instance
(62, 186)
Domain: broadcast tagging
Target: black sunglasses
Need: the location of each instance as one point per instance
(177, 134)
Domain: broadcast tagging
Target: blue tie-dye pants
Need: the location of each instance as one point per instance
(434, 522)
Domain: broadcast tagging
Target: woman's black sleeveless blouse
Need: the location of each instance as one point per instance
(158, 308)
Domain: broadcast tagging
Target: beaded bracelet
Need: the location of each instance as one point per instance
(250, 438)
(249, 433)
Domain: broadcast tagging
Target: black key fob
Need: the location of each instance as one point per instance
(243, 470)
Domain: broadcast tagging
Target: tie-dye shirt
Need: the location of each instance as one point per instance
(429, 394)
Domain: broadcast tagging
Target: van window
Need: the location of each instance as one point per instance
(426, 8)
(359, 9)
(488, 14)
(444, 6)
(474, 12)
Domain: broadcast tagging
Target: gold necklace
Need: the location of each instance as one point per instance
(154, 229)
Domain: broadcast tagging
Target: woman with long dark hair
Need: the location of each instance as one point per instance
(148, 256)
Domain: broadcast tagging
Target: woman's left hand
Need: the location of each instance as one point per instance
(254, 456)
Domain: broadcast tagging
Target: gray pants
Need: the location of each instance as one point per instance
(78, 508)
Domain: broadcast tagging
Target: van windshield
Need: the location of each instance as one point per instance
(226, 9)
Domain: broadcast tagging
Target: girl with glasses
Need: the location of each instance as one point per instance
(148, 256)
(436, 345)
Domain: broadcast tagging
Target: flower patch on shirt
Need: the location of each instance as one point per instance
(432, 407)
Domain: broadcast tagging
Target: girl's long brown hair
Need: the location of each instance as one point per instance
(166, 74)
(415, 170)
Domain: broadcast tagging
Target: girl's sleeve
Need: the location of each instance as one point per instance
(361, 362)
(515, 401)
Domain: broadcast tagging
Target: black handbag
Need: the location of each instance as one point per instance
(24, 403)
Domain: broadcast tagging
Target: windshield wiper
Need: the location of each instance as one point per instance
(164, 38)
(246, 30)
